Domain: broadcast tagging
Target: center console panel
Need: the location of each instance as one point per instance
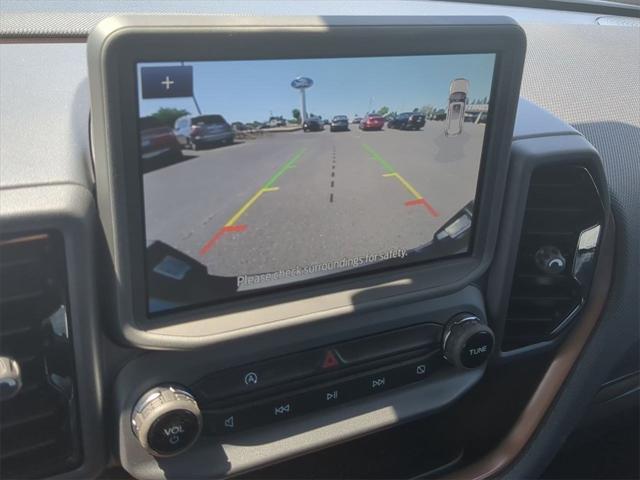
(254, 406)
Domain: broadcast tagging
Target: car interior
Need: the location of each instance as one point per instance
(317, 239)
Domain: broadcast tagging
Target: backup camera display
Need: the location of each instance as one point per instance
(265, 174)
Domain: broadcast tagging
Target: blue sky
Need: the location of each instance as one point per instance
(254, 90)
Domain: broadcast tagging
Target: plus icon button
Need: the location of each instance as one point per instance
(167, 82)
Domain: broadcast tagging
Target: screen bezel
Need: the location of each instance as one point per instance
(119, 44)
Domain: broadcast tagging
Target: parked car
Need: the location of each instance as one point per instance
(356, 120)
(239, 126)
(313, 124)
(407, 121)
(339, 123)
(158, 143)
(202, 130)
(372, 122)
(458, 91)
(277, 122)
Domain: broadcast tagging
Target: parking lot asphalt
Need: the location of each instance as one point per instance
(286, 200)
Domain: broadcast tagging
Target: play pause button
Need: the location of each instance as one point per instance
(332, 396)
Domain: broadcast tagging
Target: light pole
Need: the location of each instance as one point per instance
(302, 83)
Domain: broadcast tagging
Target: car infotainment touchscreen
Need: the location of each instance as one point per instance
(268, 174)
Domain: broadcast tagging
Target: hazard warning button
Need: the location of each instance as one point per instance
(330, 360)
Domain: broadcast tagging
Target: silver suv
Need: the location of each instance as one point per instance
(203, 130)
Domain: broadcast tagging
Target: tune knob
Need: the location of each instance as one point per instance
(166, 420)
(467, 342)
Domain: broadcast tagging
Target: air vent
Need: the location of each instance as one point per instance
(557, 251)
(38, 425)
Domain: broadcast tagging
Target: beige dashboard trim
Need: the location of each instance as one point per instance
(10, 39)
(559, 369)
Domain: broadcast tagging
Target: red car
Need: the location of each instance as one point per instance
(372, 122)
(158, 143)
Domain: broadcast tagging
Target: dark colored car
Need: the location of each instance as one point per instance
(407, 121)
(339, 123)
(239, 126)
(372, 122)
(313, 125)
(158, 143)
(203, 130)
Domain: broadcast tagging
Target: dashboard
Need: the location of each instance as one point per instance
(311, 241)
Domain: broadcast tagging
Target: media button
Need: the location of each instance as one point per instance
(230, 421)
(378, 382)
(277, 409)
(374, 383)
(324, 396)
(282, 409)
(224, 422)
(332, 395)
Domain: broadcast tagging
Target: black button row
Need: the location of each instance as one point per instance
(221, 422)
(253, 377)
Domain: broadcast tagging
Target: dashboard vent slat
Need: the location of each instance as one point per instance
(38, 426)
(562, 204)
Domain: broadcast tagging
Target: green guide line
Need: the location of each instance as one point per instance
(378, 158)
(284, 168)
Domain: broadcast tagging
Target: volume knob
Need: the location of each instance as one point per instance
(467, 342)
(166, 420)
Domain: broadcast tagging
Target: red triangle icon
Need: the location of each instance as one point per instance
(330, 360)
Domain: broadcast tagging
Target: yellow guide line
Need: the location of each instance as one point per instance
(406, 184)
(266, 188)
(250, 202)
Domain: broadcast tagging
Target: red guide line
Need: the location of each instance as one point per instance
(427, 205)
(218, 235)
(430, 209)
